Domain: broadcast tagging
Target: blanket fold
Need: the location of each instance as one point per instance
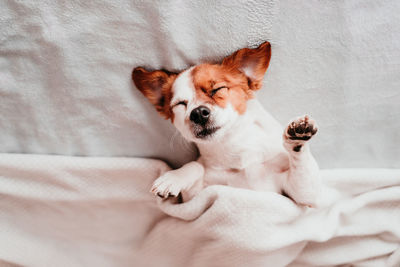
(98, 212)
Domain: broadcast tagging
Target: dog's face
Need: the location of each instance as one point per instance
(204, 101)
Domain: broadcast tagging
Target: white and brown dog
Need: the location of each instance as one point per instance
(240, 144)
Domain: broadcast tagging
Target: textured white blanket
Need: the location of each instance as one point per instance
(66, 211)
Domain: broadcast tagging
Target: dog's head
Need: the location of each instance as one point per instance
(204, 101)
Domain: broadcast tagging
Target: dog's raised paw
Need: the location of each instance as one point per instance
(302, 129)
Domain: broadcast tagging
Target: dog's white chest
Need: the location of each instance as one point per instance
(259, 177)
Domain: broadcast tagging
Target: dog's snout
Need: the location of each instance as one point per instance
(200, 115)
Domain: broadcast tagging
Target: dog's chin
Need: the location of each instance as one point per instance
(205, 133)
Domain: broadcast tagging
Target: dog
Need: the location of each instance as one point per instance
(240, 144)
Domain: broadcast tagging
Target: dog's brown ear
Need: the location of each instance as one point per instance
(156, 87)
(252, 62)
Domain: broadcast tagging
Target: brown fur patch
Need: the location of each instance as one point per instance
(230, 74)
(208, 77)
(156, 87)
(255, 60)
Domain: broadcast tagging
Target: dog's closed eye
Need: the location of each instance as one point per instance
(184, 103)
(214, 91)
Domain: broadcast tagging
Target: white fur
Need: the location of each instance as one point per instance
(246, 152)
(248, 70)
(183, 90)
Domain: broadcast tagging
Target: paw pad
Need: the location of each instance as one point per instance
(301, 129)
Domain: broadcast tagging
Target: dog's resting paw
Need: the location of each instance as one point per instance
(299, 131)
(167, 185)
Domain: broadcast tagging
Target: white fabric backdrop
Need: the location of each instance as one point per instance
(65, 70)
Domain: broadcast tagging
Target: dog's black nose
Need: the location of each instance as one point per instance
(200, 115)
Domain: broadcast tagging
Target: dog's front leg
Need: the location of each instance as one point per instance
(187, 180)
(302, 183)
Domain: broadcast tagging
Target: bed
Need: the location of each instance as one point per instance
(81, 146)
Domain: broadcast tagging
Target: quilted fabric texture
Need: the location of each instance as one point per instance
(72, 211)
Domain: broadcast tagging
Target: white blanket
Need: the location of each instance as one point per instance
(73, 211)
